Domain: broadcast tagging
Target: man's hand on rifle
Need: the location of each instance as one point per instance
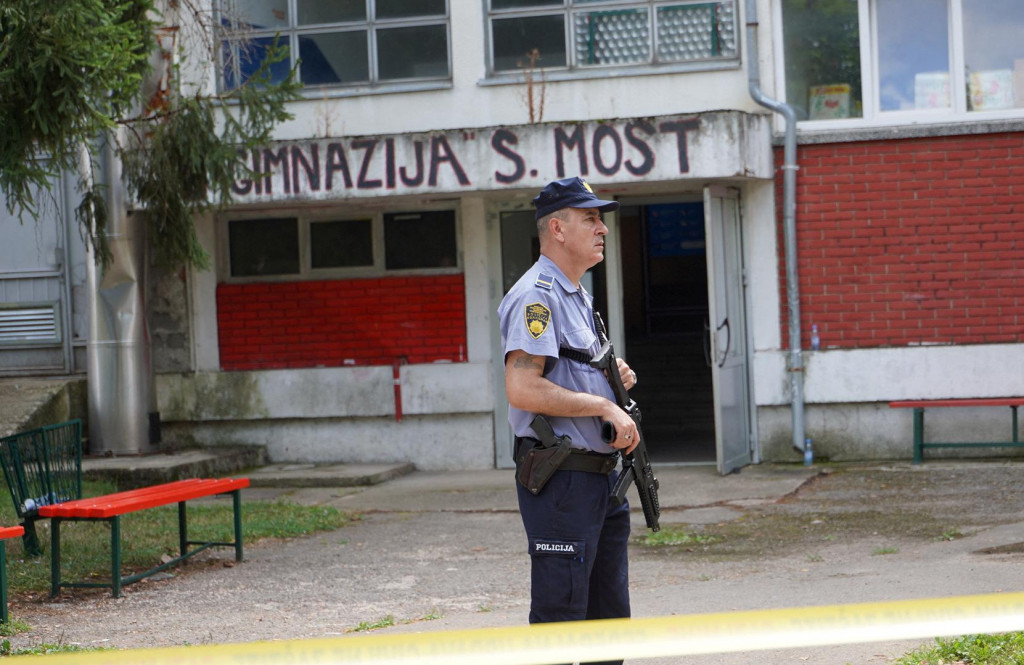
(627, 436)
(627, 375)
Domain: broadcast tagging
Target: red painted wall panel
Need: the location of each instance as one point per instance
(907, 242)
(279, 325)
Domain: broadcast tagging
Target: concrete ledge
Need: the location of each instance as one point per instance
(132, 472)
(327, 475)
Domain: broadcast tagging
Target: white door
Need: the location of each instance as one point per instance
(727, 328)
(35, 311)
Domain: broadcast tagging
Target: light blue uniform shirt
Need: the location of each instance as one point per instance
(541, 313)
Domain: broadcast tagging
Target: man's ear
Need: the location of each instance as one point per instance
(555, 228)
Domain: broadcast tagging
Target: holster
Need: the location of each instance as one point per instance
(537, 460)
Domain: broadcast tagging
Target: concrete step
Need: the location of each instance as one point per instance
(134, 471)
(327, 475)
(130, 472)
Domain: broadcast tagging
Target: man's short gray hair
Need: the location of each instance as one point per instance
(542, 223)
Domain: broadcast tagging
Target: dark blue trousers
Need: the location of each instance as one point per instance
(577, 539)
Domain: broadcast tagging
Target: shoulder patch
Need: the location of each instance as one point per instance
(537, 319)
(544, 281)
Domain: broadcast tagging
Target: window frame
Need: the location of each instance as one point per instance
(575, 71)
(290, 34)
(306, 271)
(872, 115)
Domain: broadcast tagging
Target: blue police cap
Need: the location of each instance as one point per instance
(569, 193)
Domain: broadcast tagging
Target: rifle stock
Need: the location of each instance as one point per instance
(636, 466)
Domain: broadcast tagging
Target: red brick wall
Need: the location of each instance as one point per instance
(913, 241)
(323, 324)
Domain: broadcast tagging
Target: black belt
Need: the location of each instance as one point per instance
(578, 460)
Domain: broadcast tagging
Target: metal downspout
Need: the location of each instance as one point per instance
(118, 347)
(795, 364)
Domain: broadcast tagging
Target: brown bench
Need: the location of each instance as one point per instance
(919, 407)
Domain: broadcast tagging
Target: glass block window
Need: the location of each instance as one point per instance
(338, 43)
(578, 34)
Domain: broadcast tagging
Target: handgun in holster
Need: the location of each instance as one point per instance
(536, 465)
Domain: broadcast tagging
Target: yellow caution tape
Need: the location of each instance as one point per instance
(608, 639)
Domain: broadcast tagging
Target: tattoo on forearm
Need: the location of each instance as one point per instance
(526, 361)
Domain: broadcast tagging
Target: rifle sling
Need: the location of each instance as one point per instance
(575, 354)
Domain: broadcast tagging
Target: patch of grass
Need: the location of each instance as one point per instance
(42, 649)
(671, 536)
(148, 535)
(365, 626)
(430, 616)
(786, 529)
(950, 534)
(880, 551)
(1004, 649)
(13, 627)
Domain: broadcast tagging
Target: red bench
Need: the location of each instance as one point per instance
(110, 507)
(920, 405)
(5, 533)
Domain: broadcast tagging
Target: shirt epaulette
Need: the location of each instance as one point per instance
(544, 281)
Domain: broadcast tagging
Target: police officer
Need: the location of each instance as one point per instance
(577, 536)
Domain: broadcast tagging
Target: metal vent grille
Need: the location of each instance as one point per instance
(28, 323)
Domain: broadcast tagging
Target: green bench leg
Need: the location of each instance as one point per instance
(55, 557)
(1014, 418)
(182, 529)
(3, 582)
(918, 435)
(30, 540)
(236, 499)
(115, 556)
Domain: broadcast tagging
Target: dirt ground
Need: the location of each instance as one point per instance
(842, 534)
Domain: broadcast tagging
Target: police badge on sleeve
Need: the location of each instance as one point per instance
(537, 319)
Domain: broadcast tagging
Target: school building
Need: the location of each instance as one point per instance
(822, 211)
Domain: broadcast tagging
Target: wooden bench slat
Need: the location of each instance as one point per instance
(11, 532)
(111, 505)
(980, 401)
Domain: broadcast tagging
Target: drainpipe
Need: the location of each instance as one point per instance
(118, 347)
(795, 362)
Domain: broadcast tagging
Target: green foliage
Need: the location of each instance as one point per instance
(365, 626)
(674, 536)
(71, 73)
(1004, 649)
(185, 160)
(68, 70)
(13, 627)
(46, 648)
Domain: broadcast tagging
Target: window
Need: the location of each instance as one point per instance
(887, 60)
(361, 246)
(582, 34)
(338, 43)
(264, 247)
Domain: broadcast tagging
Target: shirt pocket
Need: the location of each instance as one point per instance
(583, 339)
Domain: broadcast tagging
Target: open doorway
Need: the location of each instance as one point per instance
(665, 302)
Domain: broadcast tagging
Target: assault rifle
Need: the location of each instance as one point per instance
(636, 466)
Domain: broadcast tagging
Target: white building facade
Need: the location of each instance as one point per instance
(350, 313)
